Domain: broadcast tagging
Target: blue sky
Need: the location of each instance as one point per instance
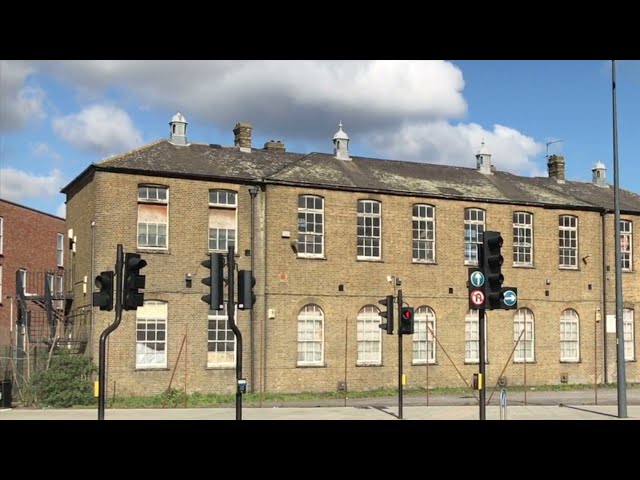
(57, 117)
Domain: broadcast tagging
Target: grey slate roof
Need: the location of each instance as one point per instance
(362, 174)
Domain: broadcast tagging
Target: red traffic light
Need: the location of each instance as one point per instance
(407, 314)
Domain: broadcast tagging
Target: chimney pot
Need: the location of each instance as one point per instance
(275, 146)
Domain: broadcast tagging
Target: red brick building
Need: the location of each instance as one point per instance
(31, 242)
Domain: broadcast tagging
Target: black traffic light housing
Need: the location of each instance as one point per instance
(406, 321)
(492, 261)
(133, 281)
(104, 298)
(246, 282)
(388, 303)
(215, 280)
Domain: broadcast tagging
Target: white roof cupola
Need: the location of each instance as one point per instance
(483, 160)
(178, 132)
(599, 174)
(341, 144)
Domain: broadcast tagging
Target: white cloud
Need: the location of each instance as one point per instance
(284, 96)
(62, 210)
(19, 185)
(100, 128)
(43, 150)
(20, 102)
(441, 142)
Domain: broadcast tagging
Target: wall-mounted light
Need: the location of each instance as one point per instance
(188, 278)
(547, 281)
(584, 259)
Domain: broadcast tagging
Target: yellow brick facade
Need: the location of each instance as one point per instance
(341, 285)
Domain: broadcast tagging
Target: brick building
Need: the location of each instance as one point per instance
(32, 243)
(327, 236)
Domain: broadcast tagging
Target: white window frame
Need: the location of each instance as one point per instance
(230, 203)
(522, 228)
(152, 196)
(217, 316)
(475, 227)
(310, 341)
(628, 329)
(626, 245)
(423, 223)
(569, 336)
(307, 210)
(156, 321)
(472, 337)
(23, 272)
(369, 334)
(424, 344)
(60, 249)
(365, 241)
(568, 234)
(523, 318)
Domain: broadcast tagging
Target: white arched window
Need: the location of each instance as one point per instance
(311, 335)
(369, 336)
(424, 347)
(569, 336)
(523, 335)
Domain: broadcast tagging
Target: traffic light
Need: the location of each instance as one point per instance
(246, 282)
(388, 303)
(492, 262)
(131, 297)
(104, 298)
(406, 321)
(215, 280)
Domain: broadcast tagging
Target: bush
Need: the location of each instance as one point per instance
(66, 383)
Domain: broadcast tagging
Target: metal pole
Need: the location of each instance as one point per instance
(399, 355)
(481, 361)
(103, 337)
(231, 267)
(621, 380)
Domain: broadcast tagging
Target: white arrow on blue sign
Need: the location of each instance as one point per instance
(477, 279)
(509, 298)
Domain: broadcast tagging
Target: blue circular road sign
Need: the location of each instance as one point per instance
(510, 298)
(477, 279)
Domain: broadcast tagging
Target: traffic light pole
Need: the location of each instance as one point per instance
(107, 332)
(481, 361)
(399, 355)
(231, 267)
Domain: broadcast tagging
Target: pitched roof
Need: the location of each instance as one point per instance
(362, 174)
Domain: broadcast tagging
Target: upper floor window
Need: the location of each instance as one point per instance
(60, 249)
(569, 336)
(568, 241)
(626, 245)
(310, 226)
(311, 335)
(523, 335)
(221, 341)
(369, 336)
(473, 232)
(629, 337)
(522, 239)
(424, 242)
(223, 220)
(153, 217)
(369, 230)
(151, 335)
(424, 345)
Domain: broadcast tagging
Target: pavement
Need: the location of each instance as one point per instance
(540, 405)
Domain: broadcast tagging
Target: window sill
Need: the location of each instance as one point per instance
(152, 369)
(324, 365)
(303, 257)
(153, 250)
(569, 361)
(569, 269)
(375, 260)
(522, 362)
(630, 361)
(475, 362)
(523, 266)
(422, 364)
(421, 262)
(369, 365)
(220, 367)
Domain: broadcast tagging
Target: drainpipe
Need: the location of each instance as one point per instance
(91, 314)
(603, 216)
(253, 191)
(264, 292)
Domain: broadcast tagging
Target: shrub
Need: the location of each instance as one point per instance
(66, 383)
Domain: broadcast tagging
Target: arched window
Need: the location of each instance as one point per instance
(311, 335)
(523, 335)
(472, 337)
(629, 336)
(151, 335)
(569, 336)
(424, 347)
(474, 219)
(369, 336)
